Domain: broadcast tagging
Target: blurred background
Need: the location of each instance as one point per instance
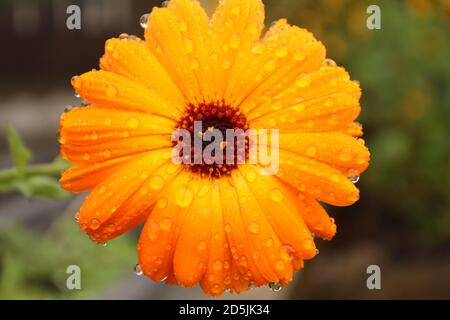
(401, 223)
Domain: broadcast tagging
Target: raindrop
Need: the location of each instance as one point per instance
(137, 269)
(143, 21)
(253, 227)
(276, 195)
(354, 179)
(275, 286)
(184, 197)
(303, 80)
(165, 224)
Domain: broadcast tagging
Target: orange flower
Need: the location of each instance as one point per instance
(224, 227)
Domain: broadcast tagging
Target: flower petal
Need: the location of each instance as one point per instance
(107, 89)
(334, 148)
(217, 276)
(274, 64)
(92, 134)
(160, 234)
(275, 197)
(180, 37)
(271, 260)
(237, 25)
(132, 59)
(324, 82)
(317, 179)
(316, 218)
(123, 200)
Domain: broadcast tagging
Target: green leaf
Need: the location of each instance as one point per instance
(20, 154)
(47, 187)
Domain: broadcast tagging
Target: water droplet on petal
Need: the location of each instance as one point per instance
(165, 224)
(143, 21)
(303, 80)
(133, 122)
(156, 182)
(137, 269)
(201, 245)
(162, 203)
(335, 177)
(102, 189)
(184, 196)
(276, 195)
(253, 227)
(275, 286)
(354, 179)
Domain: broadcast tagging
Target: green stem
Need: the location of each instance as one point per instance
(49, 169)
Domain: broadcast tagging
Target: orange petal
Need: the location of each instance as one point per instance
(317, 179)
(160, 235)
(237, 25)
(133, 60)
(193, 245)
(217, 276)
(323, 82)
(316, 218)
(275, 197)
(93, 134)
(180, 37)
(84, 177)
(271, 260)
(107, 89)
(275, 63)
(334, 148)
(123, 200)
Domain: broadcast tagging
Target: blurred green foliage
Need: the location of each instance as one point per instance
(33, 265)
(404, 70)
(35, 180)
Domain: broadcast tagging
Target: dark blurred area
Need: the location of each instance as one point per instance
(401, 223)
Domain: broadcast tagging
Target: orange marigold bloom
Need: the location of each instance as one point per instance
(222, 227)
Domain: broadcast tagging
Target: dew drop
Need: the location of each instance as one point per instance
(133, 122)
(189, 45)
(276, 105)
(218, 265)
(94, 223)
(162, 203)
(276, 195)
(258, 48)
(354, 179)
(280, 265)
(268, 243)
(183, 196)
(299, 55)
(235, 41)
(275, 286)
(137, 269)
(111, 91)
(201, 245)
(165, 224)
(253, 227)
(281, 52)
(335, 177)
(102, 189)
(269, 66)
(303, 80)
(156, 182)
(143, 21)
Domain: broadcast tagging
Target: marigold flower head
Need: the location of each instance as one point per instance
(225, 227)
